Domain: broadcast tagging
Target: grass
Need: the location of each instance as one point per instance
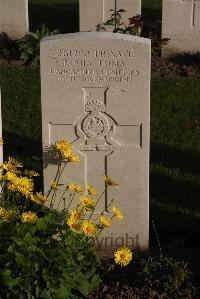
(21, 115)
(174, 169)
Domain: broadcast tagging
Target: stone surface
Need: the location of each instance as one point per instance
(94, 12)
(14, 17)
(181, 23)
(95, 93)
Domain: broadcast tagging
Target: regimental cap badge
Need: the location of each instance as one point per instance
(95, 106)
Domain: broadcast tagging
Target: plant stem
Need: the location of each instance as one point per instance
(159, 245)
(96, 204)
(70, 201)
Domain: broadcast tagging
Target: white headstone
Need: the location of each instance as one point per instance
(95, 93)
(14, 17)
(181, 23)
(94, 12)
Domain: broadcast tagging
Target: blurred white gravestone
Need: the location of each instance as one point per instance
(95, 93)
(14, 17)
(94, 12)
(181, 23)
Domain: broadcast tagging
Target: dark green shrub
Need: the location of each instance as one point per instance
(30, 44)
(9, 48)
(35, 263)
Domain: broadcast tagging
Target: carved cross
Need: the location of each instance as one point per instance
(99, 135)
(194, 13)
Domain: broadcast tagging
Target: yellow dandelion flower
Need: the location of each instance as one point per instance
(11, 165)
(64, 148)
(2, 177)
(10, 176)
(12, 187)
(1, 141)
(91, 190)
(123, 256)
(117, 213)
(24, 185)
(74, 158)
(75, 214)
(9, 215)
(54, 185)
(104, 221)
(89, 228)
(30, 217)
(87, 202)
(74, 225)
(62, 145)
(2, 212)
(38, 198)
(31, 173)
(75, 188)
(110, 182)
(66, 154)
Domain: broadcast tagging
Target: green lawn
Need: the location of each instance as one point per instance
(21, 115)
(175, 160)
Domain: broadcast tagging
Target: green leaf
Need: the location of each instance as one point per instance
(95, 282)
(28, 239)
(41, 224)
(22, 260)
(63, 292)
(8, 280)
(84, 288)
(45, 294)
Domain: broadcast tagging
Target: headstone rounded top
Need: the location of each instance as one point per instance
(98, 35)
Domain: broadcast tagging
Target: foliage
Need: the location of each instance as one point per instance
(44, 252)
(165, 275)
(9, 48)
(30, 44)
(35, 264)
(152, 30)
(136, 27)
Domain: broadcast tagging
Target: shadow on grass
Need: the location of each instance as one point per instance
(177, 232)
(26, 150)
(174, 177)
(183, 159)
(186, 59)
(175, 204)
(64, 17)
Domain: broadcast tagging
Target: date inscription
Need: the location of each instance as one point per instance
(94, 66)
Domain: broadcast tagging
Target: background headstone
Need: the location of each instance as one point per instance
(95, 93)
(14, 17)
(94, 12)
(181, 23)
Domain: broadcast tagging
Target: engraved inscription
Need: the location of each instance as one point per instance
(96, 66)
